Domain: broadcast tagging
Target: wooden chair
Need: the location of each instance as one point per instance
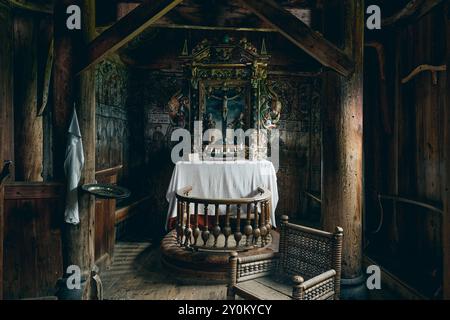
(307, 267)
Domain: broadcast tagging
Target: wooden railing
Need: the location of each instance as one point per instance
(250, 225)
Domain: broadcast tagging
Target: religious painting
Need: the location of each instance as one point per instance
(225, 105)
(179, 108)
(270, 109)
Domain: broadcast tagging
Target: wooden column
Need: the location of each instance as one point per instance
(63, 70)
(446, 195)
(6, 108)
(78, 240)
(6, 86)
(28, 131)
(342, 150)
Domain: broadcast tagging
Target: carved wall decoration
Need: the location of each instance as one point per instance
(112, 123)
(226, 77)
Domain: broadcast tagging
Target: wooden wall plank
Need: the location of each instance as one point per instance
(22, 190)
(32, 242)
(105, 218)
(28, 129)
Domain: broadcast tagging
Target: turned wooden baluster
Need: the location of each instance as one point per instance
(205, 233)
(268, 220)
(183, 226)
(216, 229)
(256, 230)
(196, 229)
(227, 229)
(263, 223)
(178, 227)
(248, 227)
(188, 229)
(238, 234)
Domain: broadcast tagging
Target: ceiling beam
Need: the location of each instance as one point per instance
(125, 30)
(46, 7)
(414, 9)
(213, 28)
(301, 35)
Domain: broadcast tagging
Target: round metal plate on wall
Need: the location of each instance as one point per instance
(106, 191)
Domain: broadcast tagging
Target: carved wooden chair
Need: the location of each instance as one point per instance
(307, 267)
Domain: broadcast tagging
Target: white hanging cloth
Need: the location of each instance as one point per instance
(73, 164)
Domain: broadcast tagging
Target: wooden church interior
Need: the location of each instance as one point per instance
(364, 168)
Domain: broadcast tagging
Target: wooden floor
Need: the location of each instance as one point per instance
(137, 274)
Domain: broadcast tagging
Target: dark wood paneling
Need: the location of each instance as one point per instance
(32, 190)
(28, 134)
(32, 240)
(112, 143)
(410, 161)
(105, 219)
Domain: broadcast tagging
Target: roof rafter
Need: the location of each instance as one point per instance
(126, 29)
(301, 35)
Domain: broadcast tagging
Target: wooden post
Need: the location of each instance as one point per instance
(78, 240)
(6, 108)
(1, 239)
(27, 125)
(342, 171)
(446, 195)
(63, 70)
(84, 234)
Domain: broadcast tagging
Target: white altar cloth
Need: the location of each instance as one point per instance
(223, 180)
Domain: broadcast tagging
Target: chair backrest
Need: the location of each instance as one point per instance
(308, 252)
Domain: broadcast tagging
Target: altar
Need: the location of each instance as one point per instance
(222, 180)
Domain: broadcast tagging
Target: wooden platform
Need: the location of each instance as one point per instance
(203, 266)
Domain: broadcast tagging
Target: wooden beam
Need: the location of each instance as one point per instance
(301, 35)
(199, 27)
(45, 7)
(214, 28)
(126, 29)
(414, 8)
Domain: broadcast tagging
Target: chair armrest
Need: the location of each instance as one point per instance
(259, 257)
(251, 267)
(315, 288)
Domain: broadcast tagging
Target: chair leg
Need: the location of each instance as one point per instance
(231, 295)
